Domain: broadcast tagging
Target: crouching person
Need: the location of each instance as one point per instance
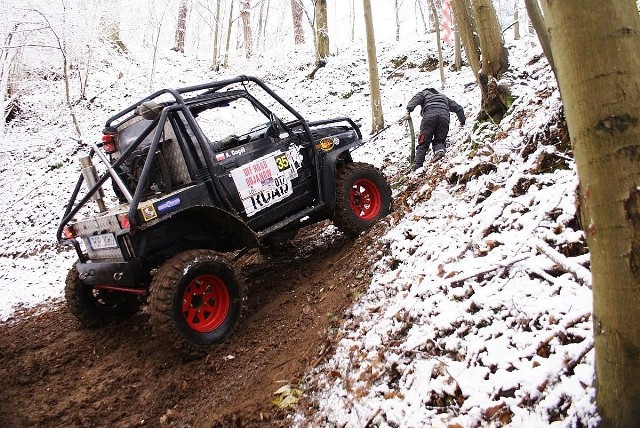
(434, 127)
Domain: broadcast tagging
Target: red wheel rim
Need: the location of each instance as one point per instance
(365, 200)
(205, 303)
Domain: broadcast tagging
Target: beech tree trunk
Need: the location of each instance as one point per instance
(438, 42)
(216, 37)
(596, 48)
(322, 29)
(110, 25)
(259, 34)
(535, 16)
(228, 42)
(181, 28)
(377, 118)
(245, 13)
(298, 30)
(488, 57)
(495, 58)
(397, 11)
(466, 26)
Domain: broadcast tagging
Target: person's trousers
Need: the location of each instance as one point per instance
(434, 129)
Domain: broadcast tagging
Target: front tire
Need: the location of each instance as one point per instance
(96, 308)
(363, 196)
(196, 301)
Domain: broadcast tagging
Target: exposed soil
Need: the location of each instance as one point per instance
(55, 373)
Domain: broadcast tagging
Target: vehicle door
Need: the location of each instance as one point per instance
(268, 172)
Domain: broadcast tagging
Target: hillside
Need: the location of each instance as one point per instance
(468, 306)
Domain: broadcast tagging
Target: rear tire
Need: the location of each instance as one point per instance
(363, 196)
(96, 308)
(196, 301)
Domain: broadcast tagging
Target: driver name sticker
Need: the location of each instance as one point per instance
(265, 181)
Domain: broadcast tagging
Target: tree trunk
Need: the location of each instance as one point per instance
(264, 23)
(216, 36)
(495, 61)
(438, 42)
(259, 34)
(322, 30)
(397, 10)
(110, 26)
(535, 16)
(424, 21)
(457, 51)
(601, 95)
(466, 26)
(181, 28)
(228, 42)
(353, 20)
(377, 118)
(298, 30)
(245, 13)
(516, 25)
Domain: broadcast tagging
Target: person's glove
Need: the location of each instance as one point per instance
(405, 117)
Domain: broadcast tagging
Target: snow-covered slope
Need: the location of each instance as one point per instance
(479, 309)
(478, 313)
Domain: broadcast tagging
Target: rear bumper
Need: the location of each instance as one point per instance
(121, 274)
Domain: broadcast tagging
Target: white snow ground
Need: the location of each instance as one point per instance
(468, 321)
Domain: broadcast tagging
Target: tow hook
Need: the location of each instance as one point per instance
(87, 274)
(118, 276)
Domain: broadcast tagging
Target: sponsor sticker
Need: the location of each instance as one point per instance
(168, 204)
(265, 181)
(220, 157)
(235, 152)
(148, 212)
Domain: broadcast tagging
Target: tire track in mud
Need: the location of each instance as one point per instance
(55, 373)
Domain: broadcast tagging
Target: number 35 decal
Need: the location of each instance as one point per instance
(282, 162)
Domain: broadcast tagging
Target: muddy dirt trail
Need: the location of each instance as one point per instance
(54, 373)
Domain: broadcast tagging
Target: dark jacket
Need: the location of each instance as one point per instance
(431, 101)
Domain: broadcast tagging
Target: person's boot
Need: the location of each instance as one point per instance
(437, 156)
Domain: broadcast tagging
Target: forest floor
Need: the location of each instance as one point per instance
(53, 372)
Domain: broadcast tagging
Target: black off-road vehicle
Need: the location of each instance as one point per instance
(188, 180)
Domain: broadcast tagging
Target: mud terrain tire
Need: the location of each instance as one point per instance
(96, 308)
(363, 196)
(196, 301)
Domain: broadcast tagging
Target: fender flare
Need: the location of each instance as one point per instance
(328, 174)
(225, 231)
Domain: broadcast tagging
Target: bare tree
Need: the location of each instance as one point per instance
(216, 35)
(516, 23)
(377, 118)
(298, 30)
(261, 17)
(396, 6)
(322, 29)
(245, 14)
(438, 43)
(181, 28)
(229, 28)
(466, 26)
(9, 75)
(481, 36)
(601, 96)
(110, 25)
(535, 16)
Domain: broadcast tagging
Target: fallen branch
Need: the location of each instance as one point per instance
(582, 274)
(504, 264)
(564, 328)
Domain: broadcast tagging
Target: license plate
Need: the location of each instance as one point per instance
(106, 240)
